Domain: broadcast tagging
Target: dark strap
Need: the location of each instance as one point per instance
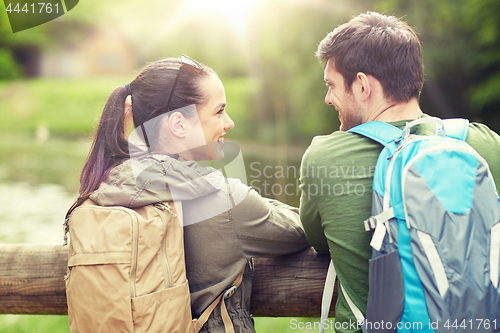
(220, 299)
(77, 203)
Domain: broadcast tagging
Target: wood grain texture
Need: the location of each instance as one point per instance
(32, 282)
(32, 279)
(290, 286)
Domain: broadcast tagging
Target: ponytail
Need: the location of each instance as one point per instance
(110, 147)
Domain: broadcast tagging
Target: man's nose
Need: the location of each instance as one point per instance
(328, 101)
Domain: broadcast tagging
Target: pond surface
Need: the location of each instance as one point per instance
(33, 214)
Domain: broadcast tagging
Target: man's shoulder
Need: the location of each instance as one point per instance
(481, 132)
(485, 141)
(341, 151)
(339, 144)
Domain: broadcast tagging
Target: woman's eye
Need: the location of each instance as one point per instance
(221, 111)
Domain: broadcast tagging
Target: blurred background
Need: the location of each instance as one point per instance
(55, 79)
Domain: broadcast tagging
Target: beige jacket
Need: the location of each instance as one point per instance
(226, 224)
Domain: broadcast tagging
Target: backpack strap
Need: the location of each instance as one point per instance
(457, 128)
(379, 131)
(385, 133)
(326, 301)
(76, 204)
(228, 324)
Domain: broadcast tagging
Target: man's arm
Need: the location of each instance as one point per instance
(309, 212)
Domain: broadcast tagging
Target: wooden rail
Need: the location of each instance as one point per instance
(31, 282)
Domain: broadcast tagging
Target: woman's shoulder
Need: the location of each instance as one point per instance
(141, 181)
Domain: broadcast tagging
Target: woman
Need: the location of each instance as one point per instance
(178, 110)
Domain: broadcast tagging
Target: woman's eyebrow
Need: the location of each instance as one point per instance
(220, 106)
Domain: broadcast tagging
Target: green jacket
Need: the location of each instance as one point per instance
(226, 224)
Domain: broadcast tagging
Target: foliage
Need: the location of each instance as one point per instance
(274, 52)
(290, 100)
(461, 44)
(72, 107)
(68, 107)
(9, 69)
(272, 56)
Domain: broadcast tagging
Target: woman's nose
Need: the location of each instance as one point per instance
(229, 124)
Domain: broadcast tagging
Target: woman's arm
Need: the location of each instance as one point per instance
(267, 227)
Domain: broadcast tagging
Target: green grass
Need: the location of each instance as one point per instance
(288, 325)
(60, 324)
(33, 324)
(72, 107)
(64, 106)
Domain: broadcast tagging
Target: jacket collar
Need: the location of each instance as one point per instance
(156, 178)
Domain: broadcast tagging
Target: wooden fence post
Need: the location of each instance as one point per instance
(32, 282)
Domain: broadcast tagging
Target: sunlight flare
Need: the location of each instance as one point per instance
(235, 11)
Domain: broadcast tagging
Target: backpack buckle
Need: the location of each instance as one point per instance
(370, 224)
(230, 292)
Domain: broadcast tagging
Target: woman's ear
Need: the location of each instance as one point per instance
(128, 117)
(177, 124)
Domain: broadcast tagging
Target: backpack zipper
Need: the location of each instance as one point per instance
(164, 258)
(135, 251)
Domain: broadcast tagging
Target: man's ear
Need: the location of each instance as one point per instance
(362, 86)
(177, 124)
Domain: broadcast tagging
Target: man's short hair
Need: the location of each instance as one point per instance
(381, 46)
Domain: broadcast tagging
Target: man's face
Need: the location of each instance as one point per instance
(350, 114)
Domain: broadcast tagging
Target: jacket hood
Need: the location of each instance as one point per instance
(156, 178)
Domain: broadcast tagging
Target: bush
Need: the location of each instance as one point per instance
(9, 69)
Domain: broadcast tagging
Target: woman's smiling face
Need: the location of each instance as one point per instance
(214, 120)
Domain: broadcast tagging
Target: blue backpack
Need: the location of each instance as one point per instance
(436, 234)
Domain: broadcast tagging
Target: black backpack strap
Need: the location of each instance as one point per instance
(78, 202)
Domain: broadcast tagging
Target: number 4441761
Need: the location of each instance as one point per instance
(478, 324)
(41, 7)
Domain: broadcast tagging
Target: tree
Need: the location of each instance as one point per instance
(461, 45)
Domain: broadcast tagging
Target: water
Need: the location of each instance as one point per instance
(33, 214)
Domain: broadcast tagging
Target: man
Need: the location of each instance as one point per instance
(374, 71)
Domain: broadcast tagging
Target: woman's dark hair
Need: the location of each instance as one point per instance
(150, 92)
(379, 45)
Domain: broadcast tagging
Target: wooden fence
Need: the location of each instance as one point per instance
(31, 282)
